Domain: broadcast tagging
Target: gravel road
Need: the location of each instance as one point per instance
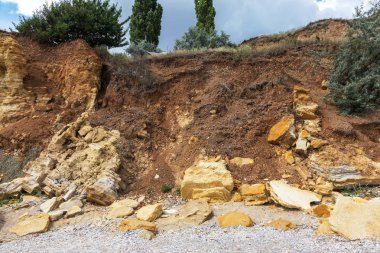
(206, 238)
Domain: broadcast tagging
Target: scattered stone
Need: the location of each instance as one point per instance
(104, 191)
(31, 224)
(122, 208)
(70, 192)
(312, 126)
(322, 211)
(281, 224)
(303, 104)
(324, 188)
(73, 211)
(236, 197)
(283, 131)
(66, 206)
(324, 228)
(50, 205)
(324, 85)
(233, 219)
(134, 224)
(209, 180)
(289, 158)
(318, 143)
(354, 220)
(302, 146)
(292, 197)
(148, 235)
(252, 190)
(56, 214)
(149, 212)
(240, 162)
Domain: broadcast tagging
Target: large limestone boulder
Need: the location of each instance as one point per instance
(31, 224)
(292, 197)
(149, 212)
(234, 219)
(207, 180)
(356, 219)
(283, 132)
(134, 224)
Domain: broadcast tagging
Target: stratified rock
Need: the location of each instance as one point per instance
(66, 206)
(240, 162)
(31, 224)
(255, 194)
(292, 197)
(122, 208)
(303, 104)
(104, 191)
(134, 224)
(209, 180)
(283, 132)
(149, 212)
(49, 205)
(356, 220)
(74, 211)
(233, 219)
(56, 215)
(281, 224)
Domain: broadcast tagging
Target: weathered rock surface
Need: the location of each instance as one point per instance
(240, 161)
(303, 104)
(31, 224)
(209, 180)
(292, 197)
(283, 132)
(344, 167)
(49, 205)
(134, 224)
(66, 206)
(122, 208)
(56, 214)
(281, 224)
(74, 211)
(356, 219)
(322, 211)
(324, 228)
(149, 212)
(90, 162)
(255, 194)
(233, 219)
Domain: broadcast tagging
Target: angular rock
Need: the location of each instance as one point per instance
(56, 215)
(283, 132)
(302, 146)
(252, 190)
(73, 211)
(66, 206)
(134, 224)
(207, 179)
(233, 219)
(31, 224)
(303, 104)
(236, 197)
(281, 224)
(70, 192)
(318, 143)
(292, 197)
(49, 205)
(240, 162)
(104, 191)
(289, 158)
(354, 220)
(122, 208)
(149, 212)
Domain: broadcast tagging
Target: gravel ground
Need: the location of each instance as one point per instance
(206, 238)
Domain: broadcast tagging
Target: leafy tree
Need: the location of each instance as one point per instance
(146, 21)
(95, 21)
(355, 80)
(197, 38)
(205, 13)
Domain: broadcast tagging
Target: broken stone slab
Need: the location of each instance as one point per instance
(281, 224)
(149, 212)
(56, 214)
(355, 219)
(303, 104)
(254, 195)
(73, 211)
(66, 206)
(292, 197)
(31, 224)
(240, 161)
(70, 192)
(50, 205)
(283, 132)
(207, 179)
(134, 224)
(104, 191)
(302, 145)
(122, 208)
(234, 219)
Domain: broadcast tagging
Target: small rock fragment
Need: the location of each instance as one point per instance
(233, 219)
(149, 212)
(240, 162)
(66, 206)
(148, 235)
(134, 224)
(324, 228)
(49, 205)
(322, 211)
(74, 211)
(283, 131)
(56, 214)
(289, 158)
(281, 224)
(236, 197)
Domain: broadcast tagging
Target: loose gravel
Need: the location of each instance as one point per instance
(206, 238)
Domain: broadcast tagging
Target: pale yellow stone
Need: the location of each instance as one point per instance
(74, 211)
(252, 190)
(122, 208)
(324, 228)
(134, 224)
(283, 131)
(289, 158)
(240, 162)
(31, 224)
(236, 197)
(281, 224)
(149, 212)
(233, 219)
(212, 195)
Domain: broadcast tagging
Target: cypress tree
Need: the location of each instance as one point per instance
(145, 24)
(205, 13)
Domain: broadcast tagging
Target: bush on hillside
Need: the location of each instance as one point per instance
(95, 21)
(355, 80)
(197, 38)
(142, 48)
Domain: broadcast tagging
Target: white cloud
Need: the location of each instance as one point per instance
(26, 7)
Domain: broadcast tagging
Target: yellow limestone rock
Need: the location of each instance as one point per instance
(292, 197)
(318, 143)
(122, 208)
(134, 224)
(281, 224)
(322, 211)
(236, 197)
(74, 211)
(255, 194)
(289, 158)
(240, 162)
(31, 224)
(354, 220)
(233, 219)
(283, 131)
(149, 212)
(209, 180)
(303, 104)
(324, 228)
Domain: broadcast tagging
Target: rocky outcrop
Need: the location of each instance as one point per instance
(14, 100)
(207, 180)
(356, 219)
(78, 154)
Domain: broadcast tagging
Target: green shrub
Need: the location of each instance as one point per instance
(355, 80)
(197, 38)
(165, 188)
(142, 48)
(95, 21)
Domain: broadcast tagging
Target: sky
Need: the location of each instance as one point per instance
(241, 19)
